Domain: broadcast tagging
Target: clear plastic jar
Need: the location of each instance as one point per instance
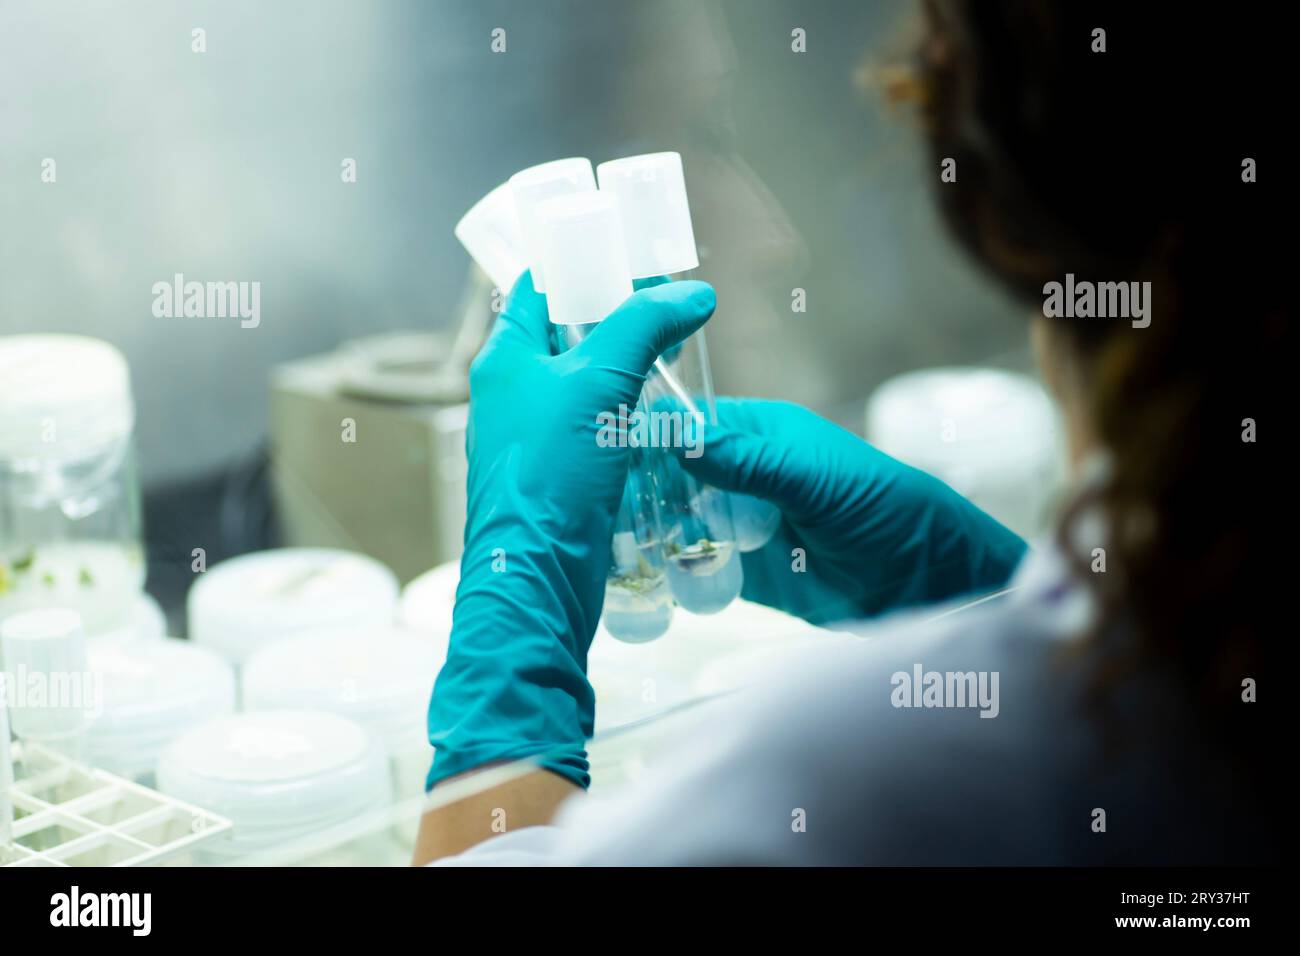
(69, 496)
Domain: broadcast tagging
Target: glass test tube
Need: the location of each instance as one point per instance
(702, 544)
(581, 249)
(638, 600)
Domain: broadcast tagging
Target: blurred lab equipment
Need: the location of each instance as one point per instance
(147, 623)
(276, 774)
(6, 779)
(992, 435)
(45, 662)
(153, 691)
(368, 445)
(69, 501)
(427, 602)
(71, 815)
(239, 605)
(380, 677)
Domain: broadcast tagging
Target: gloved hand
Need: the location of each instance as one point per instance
(542, 499)
(875, 534)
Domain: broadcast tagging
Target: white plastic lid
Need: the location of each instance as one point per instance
(491, 235)
(651, 192)
(277, 774)
(583, 255)
(61, 396)
(45, 649)
(239, 605)
(153, 691)
(535, 185)
(380, 677)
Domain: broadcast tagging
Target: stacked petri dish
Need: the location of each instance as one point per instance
(381, 678)
(278, 775)
(245, 603)
(152, 692)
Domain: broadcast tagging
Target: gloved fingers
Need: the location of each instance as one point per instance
(524, 323)
(752, 464)
(648, 323)
(760, 416)
(638, 284)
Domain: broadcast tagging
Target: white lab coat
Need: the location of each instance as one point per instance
(821, 765)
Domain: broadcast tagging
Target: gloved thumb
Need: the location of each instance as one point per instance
(647, 324)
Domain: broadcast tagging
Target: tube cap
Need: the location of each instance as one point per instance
(535, 185)
(583, 255)
(490, 234)
(651, 191)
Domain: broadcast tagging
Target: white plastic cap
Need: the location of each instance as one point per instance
(535, 185)
(46, 644)
(61, 396)
(491, 235)
(584, 258)
(651, 191)
(238, 605)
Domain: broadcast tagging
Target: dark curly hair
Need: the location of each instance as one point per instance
(1127, 165)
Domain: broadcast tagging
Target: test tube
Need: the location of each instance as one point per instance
(580, 239)
(702, 540)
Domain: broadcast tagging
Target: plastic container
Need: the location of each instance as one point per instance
(45, 658)
(153, 691)
(276, 775)
(242, 604)
(69, 498)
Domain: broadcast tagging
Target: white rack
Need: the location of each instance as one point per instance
(66, 814)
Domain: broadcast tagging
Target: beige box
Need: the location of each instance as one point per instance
(384, 477)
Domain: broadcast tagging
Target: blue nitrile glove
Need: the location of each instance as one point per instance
(875, 534)
(542, 499)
